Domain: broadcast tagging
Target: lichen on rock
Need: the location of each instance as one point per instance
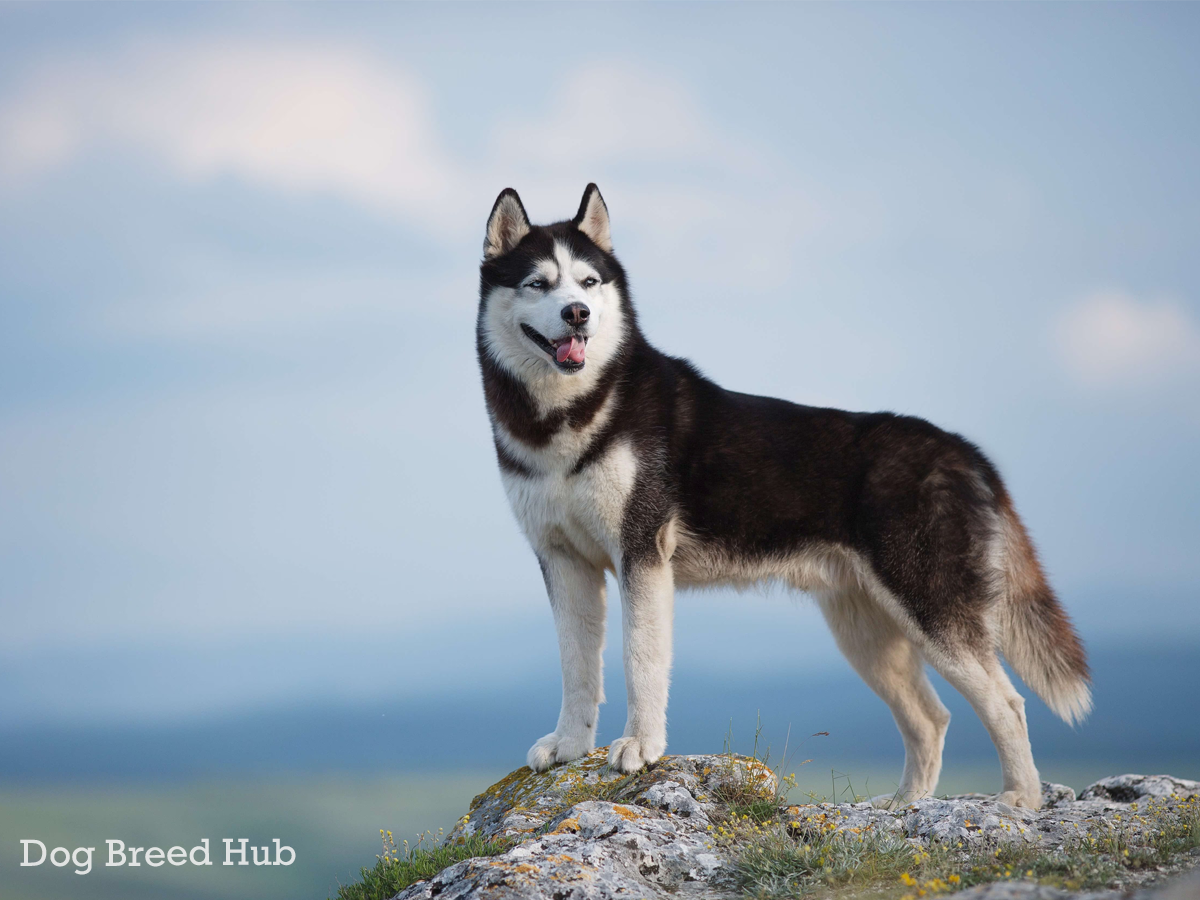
(684, 786)
(585, 832)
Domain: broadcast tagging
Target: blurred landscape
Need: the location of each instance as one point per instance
(1145, 718)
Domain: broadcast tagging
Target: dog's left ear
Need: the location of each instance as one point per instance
(592, 218)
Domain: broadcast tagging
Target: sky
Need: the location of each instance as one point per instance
(244, 456)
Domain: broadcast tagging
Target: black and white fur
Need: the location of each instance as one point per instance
(622, 458)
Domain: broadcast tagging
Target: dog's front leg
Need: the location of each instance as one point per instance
(647, 608)
(576, 590)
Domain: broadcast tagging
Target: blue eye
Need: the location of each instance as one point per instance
(590, 282)
(537, 283)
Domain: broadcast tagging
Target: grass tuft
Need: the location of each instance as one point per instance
(776, 863)
(791, 859)
(750, 793)
(402, 865)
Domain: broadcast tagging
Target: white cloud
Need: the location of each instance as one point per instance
(309, 117)
(295, 117)
(1112, 338)
(319, 117)
(312, 117)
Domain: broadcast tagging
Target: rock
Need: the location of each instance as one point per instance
(684, 786)
(599, 850)
(976, 819)
(584, 832)
(1130, 788)
(1056, 795)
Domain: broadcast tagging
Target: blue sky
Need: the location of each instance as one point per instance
(239, 409)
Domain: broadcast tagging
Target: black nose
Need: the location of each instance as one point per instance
(575, 313)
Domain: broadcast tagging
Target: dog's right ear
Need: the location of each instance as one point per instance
(506, 225)
(592, 218)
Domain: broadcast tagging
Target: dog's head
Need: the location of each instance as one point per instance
(552, 297)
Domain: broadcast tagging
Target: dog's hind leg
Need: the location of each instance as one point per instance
(893, 667)
(976, 673)
(577, 598)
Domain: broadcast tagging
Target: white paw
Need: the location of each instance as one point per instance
(899, 799)
(628, 754)
(1028, 799)
(556, 748)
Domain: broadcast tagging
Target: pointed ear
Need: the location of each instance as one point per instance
(506, 225)
(592, 218)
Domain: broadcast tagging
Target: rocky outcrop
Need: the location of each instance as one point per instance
(1131, 788)
(583, 832)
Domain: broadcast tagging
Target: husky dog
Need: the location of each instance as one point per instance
(617, 457)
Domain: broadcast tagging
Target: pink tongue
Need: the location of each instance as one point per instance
(572, 350)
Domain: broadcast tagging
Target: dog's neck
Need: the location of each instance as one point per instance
(533, 410)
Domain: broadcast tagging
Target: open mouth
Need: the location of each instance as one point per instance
(567, 353)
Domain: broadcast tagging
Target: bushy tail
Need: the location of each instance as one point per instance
(1036, 636)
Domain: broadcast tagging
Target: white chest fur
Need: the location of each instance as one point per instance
(580, 512)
